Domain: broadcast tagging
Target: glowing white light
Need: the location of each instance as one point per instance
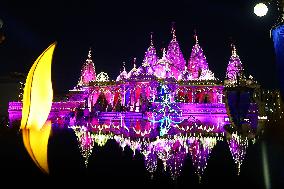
(260, 9)
(262, 117)
(102, 77)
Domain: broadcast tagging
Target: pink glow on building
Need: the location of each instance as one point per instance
(88, 72)
(235, 67)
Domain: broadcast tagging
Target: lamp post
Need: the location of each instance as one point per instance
(277, 32)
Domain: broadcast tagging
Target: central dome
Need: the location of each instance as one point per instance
(164, 68)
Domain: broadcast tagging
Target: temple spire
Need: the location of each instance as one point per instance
(235, 67)
(197, 63)
(173, 32)
(150, 57)
(88, 71)
(174, 54)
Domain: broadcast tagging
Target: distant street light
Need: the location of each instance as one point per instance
(260, 9)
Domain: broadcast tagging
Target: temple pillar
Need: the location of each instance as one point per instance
(193, 95)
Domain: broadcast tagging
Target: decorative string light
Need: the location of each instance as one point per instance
(85, 141)
(176, 160)
(101, 139)
(167, 114)
(151, 163)
(200, 149)
(238, 146)
(172, 150)
(102, 77)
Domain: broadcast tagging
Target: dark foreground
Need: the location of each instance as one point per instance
(110, 167)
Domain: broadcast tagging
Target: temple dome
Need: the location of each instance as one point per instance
(134, 71)
(102, 77)
(145, 70)
(162, 67)
(123, 75)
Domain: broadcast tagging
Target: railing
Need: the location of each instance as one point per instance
(17, 106)
(201, 105)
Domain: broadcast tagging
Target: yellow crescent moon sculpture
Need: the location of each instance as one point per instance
(37, 102)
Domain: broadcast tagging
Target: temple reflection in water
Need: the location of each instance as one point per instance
(166, 108)
(170, 149)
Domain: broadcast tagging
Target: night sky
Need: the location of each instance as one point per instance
(118, 31)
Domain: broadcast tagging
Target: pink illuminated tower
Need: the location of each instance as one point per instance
(174, 53)
(235, 67)
(150, 57)
(88, 72)
(197, 62)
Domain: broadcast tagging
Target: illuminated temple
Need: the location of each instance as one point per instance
(166, 108)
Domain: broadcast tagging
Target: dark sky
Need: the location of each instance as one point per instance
(118, 31)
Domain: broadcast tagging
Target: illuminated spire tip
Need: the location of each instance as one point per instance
(164, 52)
(151, 43)
(173, 32)
(195, 37)
(90, 53)
(134, 63)
(234, 51)
(124, 66)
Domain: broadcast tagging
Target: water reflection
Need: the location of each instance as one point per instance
(200, 149)
(170, 149)
(238, 146)
(85, 140)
